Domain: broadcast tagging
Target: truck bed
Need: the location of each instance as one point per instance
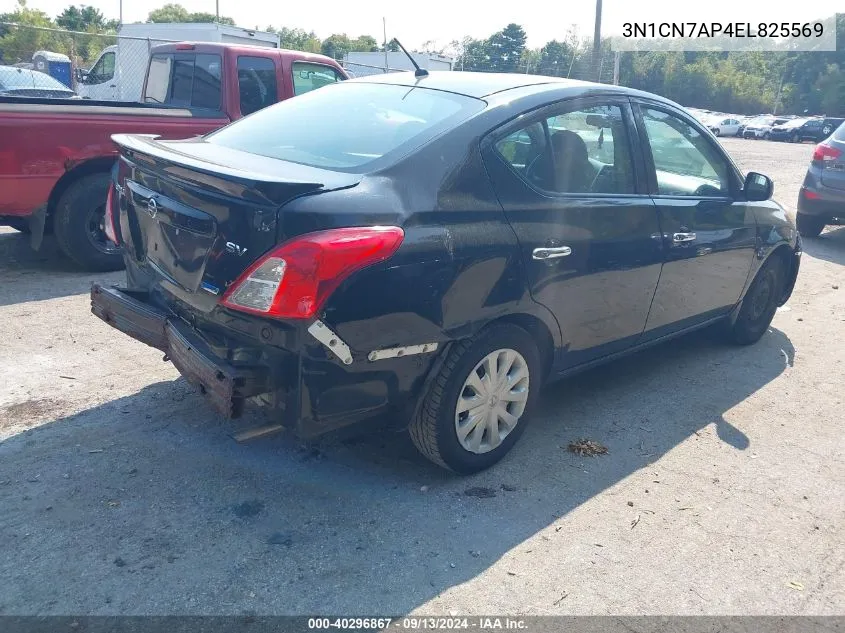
(36, 105)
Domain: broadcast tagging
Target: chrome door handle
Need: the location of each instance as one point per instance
(551, 253)
(680, 238)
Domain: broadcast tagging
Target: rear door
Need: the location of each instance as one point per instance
(709, 234)
(567, 179)
(833, 167)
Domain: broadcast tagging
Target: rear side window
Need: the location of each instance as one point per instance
(349, 126)
(184, 80)
(308, 77)
(582, 150)
(256, 83)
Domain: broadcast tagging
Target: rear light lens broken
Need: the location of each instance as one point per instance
(825, 153)
(294, 280)
(109, 221)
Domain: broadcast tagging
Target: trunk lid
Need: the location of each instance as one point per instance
(198, 214)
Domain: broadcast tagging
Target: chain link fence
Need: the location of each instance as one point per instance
(87, 63)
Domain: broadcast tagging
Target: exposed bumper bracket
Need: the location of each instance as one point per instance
(332, 341)
(397, 352)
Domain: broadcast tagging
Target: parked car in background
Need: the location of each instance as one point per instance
(761, 127)
(21, 82)
(724, 125)
(190, 89)
(829, 125)
(821, 200)
(435, 255)
(792, 130)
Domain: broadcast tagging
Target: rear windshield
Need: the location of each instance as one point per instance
(18, 78)
(839, 134)
(349, 125)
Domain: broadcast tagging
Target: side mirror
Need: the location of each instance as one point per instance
(758, 187)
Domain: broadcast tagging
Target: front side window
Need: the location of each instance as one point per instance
(103, 70)
(256, 83)
(308, 77)
(378, 121)
(577, 151)
(685, 162)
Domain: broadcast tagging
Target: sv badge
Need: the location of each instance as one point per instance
(233, 248)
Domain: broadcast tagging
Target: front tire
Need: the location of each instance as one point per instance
(809, 225)
(78, 225)
(476, 406)
(760, 303)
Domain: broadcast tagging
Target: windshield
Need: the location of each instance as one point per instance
(21, 79)
(347, 126)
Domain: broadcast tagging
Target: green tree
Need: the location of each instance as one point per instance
(505, 48)
(177, 13)
(82, 18)
(555, 58)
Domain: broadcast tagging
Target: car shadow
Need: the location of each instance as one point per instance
(28, 275)
(145, 505)
(829, 246)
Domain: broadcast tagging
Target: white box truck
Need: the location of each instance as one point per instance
(118, 74)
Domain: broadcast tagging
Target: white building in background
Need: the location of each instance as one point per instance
(361, 64)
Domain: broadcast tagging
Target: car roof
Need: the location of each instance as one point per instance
(471, 84)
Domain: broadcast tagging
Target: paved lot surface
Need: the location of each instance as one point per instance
(722, 492)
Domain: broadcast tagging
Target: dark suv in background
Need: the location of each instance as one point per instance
(821, 200)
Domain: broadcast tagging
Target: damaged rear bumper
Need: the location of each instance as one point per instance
(226, 385)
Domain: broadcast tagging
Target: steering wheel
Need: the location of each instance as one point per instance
(707, 190)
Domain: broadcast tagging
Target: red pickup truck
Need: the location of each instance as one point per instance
(56, 154)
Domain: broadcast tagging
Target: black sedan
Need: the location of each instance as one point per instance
(427, 252)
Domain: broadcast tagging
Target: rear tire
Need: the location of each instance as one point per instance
(447, 405)
(796, 138)
(760, 303)
(809, 225)
(78, 225)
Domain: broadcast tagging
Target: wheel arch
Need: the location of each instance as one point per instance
(539, 332)
(93, 166)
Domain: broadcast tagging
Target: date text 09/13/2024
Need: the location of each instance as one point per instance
(418, 623)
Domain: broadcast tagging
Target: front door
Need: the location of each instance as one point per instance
(709, 234)
(567, 179)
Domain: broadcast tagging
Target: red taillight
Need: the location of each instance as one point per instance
(185, 47)
(294, 280)
(826, 152)
(810, 195)
(108, 221)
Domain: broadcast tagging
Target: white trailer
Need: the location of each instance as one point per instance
(118, 74)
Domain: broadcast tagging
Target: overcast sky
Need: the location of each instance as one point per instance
(416, 21)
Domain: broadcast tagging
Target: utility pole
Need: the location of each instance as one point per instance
(384, 26)
(597, 41)
(121, 13)
(217, 9)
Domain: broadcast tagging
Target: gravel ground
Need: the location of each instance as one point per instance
(722, 492)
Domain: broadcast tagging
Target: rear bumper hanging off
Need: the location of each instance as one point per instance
(226, 386)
